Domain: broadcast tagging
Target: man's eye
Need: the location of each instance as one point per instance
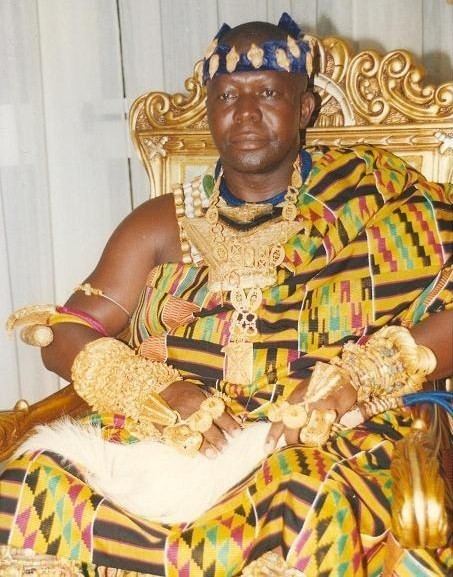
(226, 97)
(269, 93)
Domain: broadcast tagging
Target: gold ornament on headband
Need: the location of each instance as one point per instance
(309, 63)
(232, 59)
(282, 59)
(211, 48)
(288, 54)
(255, 55)
(213, 64)
(292, 46)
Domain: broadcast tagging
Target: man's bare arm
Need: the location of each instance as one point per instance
(149, 236)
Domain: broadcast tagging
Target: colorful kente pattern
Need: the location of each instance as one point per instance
(378, 250)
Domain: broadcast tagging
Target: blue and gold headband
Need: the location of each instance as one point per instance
(290, 55)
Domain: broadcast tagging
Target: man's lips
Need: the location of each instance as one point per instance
(247, 140)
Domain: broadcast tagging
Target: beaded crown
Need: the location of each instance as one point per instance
(290, 55)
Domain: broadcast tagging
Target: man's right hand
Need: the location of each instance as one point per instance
(186, 398)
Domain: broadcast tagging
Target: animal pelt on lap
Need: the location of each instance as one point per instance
(149, 478)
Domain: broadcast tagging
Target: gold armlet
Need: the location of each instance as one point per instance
(88, 290)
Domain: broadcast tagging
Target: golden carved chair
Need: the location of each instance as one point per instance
(366, 97)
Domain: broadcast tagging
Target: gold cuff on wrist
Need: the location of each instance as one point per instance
(110, 377)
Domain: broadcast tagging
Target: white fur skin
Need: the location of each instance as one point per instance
(148, 478)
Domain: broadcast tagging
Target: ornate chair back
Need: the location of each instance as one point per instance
(364, 98)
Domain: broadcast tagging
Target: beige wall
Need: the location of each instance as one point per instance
(68, 73)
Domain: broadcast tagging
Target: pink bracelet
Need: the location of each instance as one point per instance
(91, 322)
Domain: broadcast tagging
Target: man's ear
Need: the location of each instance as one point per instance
(307, 105)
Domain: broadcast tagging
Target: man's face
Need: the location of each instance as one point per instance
(255, 118)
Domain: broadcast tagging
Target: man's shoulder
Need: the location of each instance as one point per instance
(372, 157)
(358, 165)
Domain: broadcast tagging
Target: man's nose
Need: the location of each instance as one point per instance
(247, 108)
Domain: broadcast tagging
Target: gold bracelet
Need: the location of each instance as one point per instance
(88, 290)
(110, 377)
(389, 363)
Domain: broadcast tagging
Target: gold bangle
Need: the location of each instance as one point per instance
(90, 291)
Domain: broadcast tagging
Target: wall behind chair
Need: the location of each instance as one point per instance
(69, 71)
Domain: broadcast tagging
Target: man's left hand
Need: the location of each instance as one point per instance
(340, 400)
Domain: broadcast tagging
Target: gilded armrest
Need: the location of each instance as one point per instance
(15, 425)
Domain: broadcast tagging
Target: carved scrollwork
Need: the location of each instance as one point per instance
(377, 85)
(182, 110)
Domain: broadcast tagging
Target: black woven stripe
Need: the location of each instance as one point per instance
(448, 250)
(271, 542)
(400, 288)
(13, 474)
(333, 176)
(199, 281)
(394, 311)
(355, 192)
(214, 311)
(278, 344)
(130, 564)
(115, 532)
(408, 192)
(301, 491)
(266, 327)
(185, 343)
(281, 307)
(378, 495)
(197, 370)
(8, 505)
(355, 263)
(441, 205)
(4, 536)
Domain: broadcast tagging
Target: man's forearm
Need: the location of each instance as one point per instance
(436, 332)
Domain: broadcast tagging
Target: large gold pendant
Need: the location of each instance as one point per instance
(238, 363)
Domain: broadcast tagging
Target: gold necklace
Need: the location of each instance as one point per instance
(244, 262)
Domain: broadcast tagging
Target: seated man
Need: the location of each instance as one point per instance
(314, 295)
